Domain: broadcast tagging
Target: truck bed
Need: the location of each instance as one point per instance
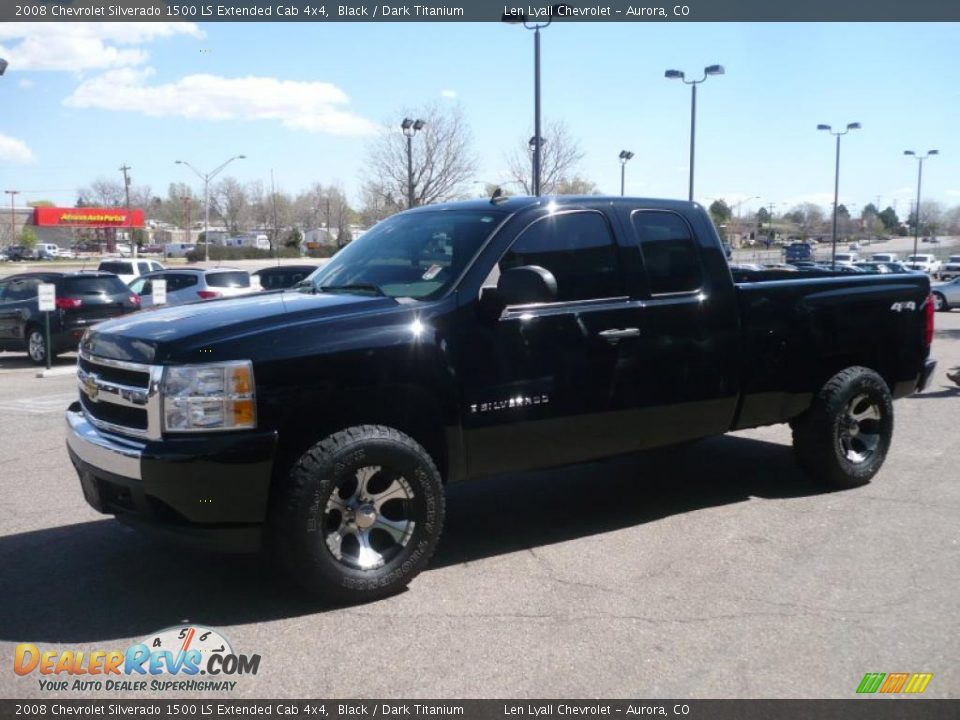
(799, 329)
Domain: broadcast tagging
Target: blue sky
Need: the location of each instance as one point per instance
(304, 99)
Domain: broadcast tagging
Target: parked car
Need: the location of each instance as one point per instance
(128, 270)
(847, 257)
(798, 252)
(190, 284)
(178, 249)
(924, 262)
(283, 276)
(854, 246)
(898, 267)
(951, 268)
(18, 253)
(82, 300)
(946, 295)
(66, 254)
(47, 251)
(330, 419)
(885, 257)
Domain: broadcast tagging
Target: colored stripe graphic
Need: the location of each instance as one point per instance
(870, 682)
(894, 682)
(918, 682)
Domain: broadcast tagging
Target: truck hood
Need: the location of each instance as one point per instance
(154, 335)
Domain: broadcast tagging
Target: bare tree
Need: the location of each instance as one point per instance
(229, 200)
(809, 217)
(103, 192)
(560, 154)
(377, 203)
(442, 157)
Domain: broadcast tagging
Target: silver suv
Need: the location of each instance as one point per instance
(188, 285)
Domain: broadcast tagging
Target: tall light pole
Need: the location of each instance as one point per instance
(410, 128)
(916, 219)
(206, 197)
(678, 75)
(836, 182)
(126, 189)
(625, 155)
(537, 139)
(13, 216)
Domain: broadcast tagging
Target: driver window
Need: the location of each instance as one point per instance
(577, 248)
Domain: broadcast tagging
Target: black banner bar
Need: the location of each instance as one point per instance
(858, 709)
(320, 11)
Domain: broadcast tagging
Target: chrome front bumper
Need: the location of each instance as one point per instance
(112, 455)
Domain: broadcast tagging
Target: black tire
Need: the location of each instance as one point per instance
(332, 492)
(940, 302)
(843, 439)
(37, 346)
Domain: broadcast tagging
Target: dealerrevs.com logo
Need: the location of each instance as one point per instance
(184, 657)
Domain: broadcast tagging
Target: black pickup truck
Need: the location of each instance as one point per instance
(469, 339)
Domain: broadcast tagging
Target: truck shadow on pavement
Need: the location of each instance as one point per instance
(99, 580)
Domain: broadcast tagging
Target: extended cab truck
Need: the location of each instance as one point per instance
(461, 340)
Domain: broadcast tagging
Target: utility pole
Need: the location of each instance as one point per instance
(126, 190)
(276, 230)
(13, 216)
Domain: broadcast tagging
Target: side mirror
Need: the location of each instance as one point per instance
(526, 285)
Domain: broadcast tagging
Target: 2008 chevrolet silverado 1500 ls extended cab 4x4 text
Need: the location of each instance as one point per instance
(468, 339)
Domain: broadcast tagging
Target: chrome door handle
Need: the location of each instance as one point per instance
(619, 333)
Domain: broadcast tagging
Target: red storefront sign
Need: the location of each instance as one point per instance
(87, 217)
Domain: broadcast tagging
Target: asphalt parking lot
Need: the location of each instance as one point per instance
(718, 571)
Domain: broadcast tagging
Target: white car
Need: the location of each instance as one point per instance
(847, 257)
(129, 270)
(925, 262)
(192, 284)
(946, 295)
(885, 257)
(951, 268)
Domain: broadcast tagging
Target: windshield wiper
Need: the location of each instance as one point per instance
(369, 287)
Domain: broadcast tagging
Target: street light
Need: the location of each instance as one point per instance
(3, 66)
(13, 215)
(836, 181)
(625, 155)
(916, 220)
(206, 197)
(410, 128)
(537, 139)
(678, 75)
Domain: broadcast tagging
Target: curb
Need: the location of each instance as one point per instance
(57, 371)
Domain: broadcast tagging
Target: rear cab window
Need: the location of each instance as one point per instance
(670, 254)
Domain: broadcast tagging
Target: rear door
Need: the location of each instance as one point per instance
(687, 379)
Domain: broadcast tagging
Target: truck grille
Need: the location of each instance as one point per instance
(120, 397)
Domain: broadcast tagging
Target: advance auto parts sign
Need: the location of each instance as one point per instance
(188, 658)
(87, 217)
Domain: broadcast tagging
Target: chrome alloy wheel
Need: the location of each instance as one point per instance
(35, 346)
(367, 520)
(859, 429)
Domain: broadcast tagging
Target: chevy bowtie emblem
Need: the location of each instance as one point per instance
(90, 387)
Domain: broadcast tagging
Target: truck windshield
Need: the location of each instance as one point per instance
(417, 255)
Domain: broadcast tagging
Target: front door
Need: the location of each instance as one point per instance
(541, 383)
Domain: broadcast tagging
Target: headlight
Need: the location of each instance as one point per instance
(214, 396)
